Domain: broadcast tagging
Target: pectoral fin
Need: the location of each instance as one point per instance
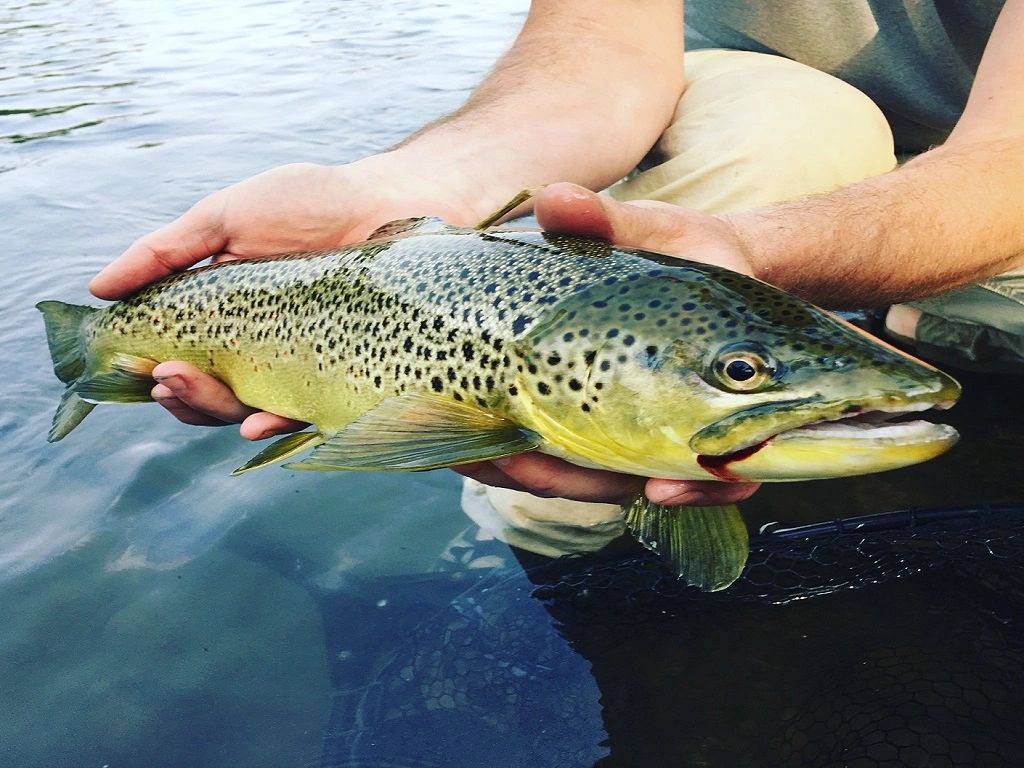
(419, 431)
(280, 450)
(706, 546)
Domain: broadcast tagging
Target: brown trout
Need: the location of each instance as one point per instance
(431, 345)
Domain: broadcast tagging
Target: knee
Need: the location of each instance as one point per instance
(753, 129)
(806, 132)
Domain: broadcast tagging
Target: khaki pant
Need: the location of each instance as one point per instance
(751, 130)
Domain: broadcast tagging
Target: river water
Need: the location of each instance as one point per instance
(157, 612)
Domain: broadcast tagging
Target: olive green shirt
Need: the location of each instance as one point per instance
(915, 59)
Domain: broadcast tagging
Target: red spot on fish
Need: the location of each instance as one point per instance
(719, 465)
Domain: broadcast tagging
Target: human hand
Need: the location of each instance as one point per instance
(648, 224)
(287, 209)
(222, 222)
(284, 210)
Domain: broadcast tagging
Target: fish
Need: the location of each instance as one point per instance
(431, 345)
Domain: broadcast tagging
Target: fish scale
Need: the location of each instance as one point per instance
(430, 346)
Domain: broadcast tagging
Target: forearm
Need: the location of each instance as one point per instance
(947, 218)
(578, 97)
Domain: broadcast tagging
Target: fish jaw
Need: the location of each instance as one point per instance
(832, 449)
(804, 442)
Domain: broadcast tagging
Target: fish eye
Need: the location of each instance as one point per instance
(743, 367)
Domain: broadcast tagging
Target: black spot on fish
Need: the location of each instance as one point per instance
(521, 323)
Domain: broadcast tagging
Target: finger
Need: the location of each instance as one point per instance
(697, 493)
(182, 411)
(187, 240)
(262, 425)
(200, 392)
(573, 210)
(544, 475)
(485, 472)
(649, 224)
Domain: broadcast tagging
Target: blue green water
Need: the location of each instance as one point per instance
(156, 612)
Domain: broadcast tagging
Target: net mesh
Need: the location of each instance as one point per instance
(887, 640)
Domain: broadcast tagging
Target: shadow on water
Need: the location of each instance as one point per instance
(160, 613)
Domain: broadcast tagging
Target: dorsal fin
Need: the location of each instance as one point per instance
(402, 227)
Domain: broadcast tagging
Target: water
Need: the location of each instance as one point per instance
(160, 613)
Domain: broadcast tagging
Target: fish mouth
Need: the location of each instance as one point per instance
(839, 440)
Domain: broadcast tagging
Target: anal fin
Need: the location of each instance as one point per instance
(280, 450)
(418, 431)
(705, 546)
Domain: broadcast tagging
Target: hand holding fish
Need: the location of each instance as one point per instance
(571, 209)
(291, 208)
(431, 345)
(297, 207)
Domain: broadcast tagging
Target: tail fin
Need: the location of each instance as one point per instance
(63, 323)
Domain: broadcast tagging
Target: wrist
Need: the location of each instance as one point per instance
(405, 182)
(750, 245)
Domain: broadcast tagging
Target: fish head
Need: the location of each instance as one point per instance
(695, 371)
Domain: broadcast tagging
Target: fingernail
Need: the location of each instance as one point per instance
(173, 383)
(503, 462)
(160, 392)
(677, 493)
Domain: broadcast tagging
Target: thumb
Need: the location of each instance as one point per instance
(651, 225)
(187, 240)
(572, 209)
